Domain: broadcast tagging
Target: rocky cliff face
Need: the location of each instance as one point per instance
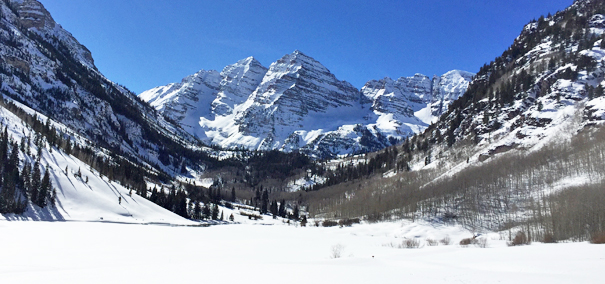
(46, 69)
(33, 16)
(298, 104)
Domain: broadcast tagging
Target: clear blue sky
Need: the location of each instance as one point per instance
(146, 43)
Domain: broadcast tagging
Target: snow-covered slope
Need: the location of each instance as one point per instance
(297, 104)
(82, 194)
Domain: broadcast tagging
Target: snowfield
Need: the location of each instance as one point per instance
(93, 252)
(86, 196)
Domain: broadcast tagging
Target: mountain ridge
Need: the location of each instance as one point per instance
(286, 108)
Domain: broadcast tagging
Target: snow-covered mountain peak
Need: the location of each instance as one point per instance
(165, 96)
(240, 66)
(295, 94)
(238, 81)
(448, 88)
(417, 97)
(297, 103)
(294, 61)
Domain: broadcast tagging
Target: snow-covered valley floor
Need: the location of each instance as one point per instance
(94, 252)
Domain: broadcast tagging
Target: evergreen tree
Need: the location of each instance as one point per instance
(273, 209)
(589, 91)
(154, 195)
(598, 92)
(215, 212)
(181, 204)
(45, 189)
(26, 178)
(295, 213)
(36, 177)
(197, 211)
(4, 145)
(282, 209)
(206, 212)
(264, 202)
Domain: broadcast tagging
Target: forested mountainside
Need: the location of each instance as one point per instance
(523, 147)
(297, 104)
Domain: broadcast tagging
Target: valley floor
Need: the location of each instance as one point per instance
(93, 252)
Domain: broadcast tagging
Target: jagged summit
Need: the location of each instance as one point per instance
(297, 103)
(417, 97)
(238, 81)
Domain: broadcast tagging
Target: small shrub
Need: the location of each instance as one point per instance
(446, 241)
(348, 222)
(329, 223)
(520, 239)
(548, 238)
(466, 242)
(337, 251)
(410, 243)
(303, 222)
(482, 242)
(598, 238)
(375, 217)
(431, 242)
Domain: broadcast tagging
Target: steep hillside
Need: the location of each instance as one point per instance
(297, 104)
(45, 68)
(522, 149)
(71, 189)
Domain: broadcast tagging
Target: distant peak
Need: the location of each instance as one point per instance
(243, 65)
(300, 58)
(459, 72)
(298, 53)
(248, 60)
